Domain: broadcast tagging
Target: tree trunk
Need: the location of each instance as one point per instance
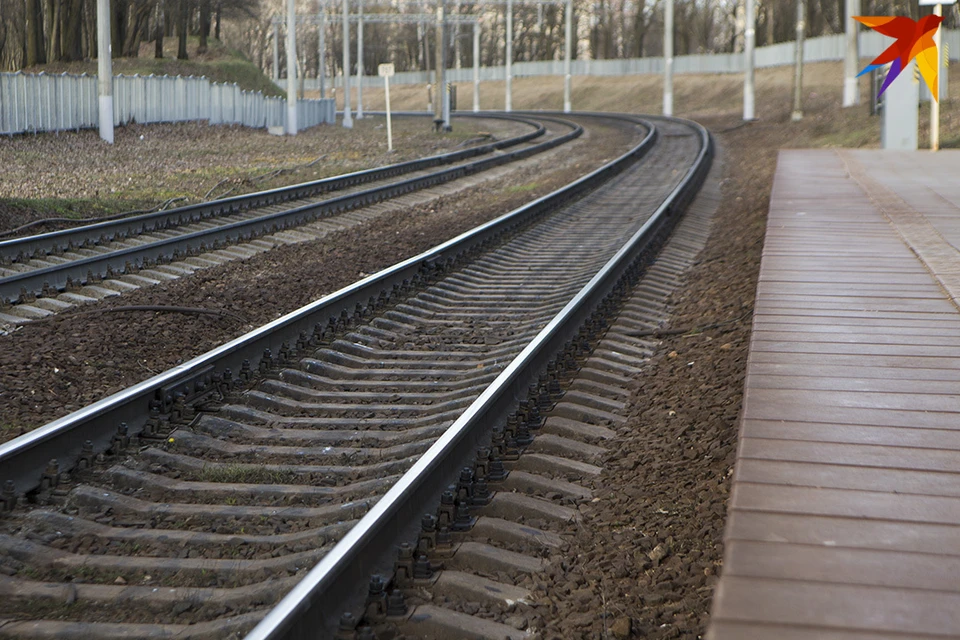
(182, 18)
(769, 18)
(71, 30)
(119, 10)
(216, 33)
(158, 28)
(639, 28)
(90, 29)
(204, 25)
(34, 49)
(51, 23)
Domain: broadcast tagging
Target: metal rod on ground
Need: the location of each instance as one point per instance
(360, 60)
(508, 58)
(322, 53)
(851, 84)
(750, 37)
(347, 119)
(935, 102)
(291, 67)
(567, 45)
(476, 67)
(668, 58)
(105, 70)
(276, 53)
(797, 114)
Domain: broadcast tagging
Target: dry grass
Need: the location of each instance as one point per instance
(76, 175)
(703, 96)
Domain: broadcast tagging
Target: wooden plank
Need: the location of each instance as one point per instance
(844, 516)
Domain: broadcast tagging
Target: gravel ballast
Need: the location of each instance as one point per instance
(52, 367)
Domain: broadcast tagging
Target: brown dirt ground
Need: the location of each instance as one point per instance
(53, 367)
(76, 175)
(667, 484)
(668, 481)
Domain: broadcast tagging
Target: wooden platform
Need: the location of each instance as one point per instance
(844, 519)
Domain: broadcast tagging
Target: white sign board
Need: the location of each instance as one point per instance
(385, 70)
(924, 3)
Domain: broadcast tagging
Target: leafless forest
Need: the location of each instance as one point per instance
(34, 32)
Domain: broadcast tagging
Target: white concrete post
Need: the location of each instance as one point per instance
(797, 114)
(347, 118)
(360, 60)
(438, 65)
(476, 67)
(386, 95)
(508, 58)
(668, 58)
(105, 70)
(276, 52)
(455, 36)
(442, 65)
(935, 104)
(292, 67)
(567, 45)
(322, 54)
(851, 84)
(750, 38)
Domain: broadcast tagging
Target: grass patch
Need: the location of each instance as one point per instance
(72, 208)
(522, 188)
(247, 474)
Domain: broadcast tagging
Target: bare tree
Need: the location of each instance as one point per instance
(182, 22)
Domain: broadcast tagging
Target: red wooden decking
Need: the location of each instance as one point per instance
(844, 519)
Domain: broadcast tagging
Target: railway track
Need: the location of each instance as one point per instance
(43, 274)
(200, 497)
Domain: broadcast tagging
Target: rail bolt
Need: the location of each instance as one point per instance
(376, 607)
(8, 497)
(422, 570)
(396, 606)
(403, 566)
(346, 630)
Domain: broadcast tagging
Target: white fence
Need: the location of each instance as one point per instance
(820, 49)
(38, 102)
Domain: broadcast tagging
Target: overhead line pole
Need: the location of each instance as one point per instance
(438, 66)
(797, 114)
(567, 40)
(476, 67)
(360, 60)
(851, 85)
(508, 58)
(750, 39)
(935, 100)
(105, 70)
(347, 119)
(668, 58)
(291, 67)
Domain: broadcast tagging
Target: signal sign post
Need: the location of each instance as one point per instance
(385, 71)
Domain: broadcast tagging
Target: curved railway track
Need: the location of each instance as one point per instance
(43, 274)
(200, 497)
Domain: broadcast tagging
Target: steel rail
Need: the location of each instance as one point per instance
(22, 459)
(133, 258)
(312, 609)
(64, 239)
